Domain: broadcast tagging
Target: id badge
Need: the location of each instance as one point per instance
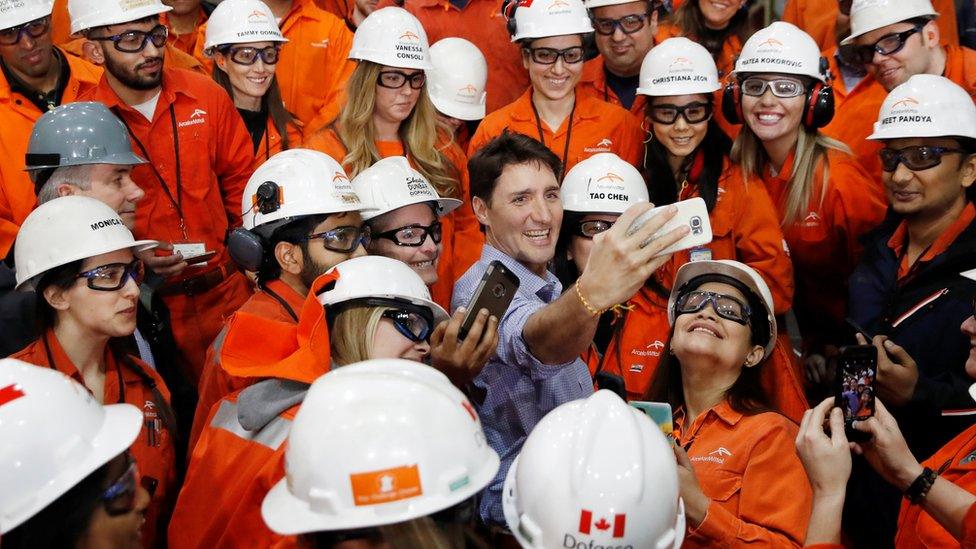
(193, 251)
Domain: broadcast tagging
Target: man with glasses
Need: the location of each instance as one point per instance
(200, 157)
(625, 32)
(908, 287)
(301, 218)
(35, 77)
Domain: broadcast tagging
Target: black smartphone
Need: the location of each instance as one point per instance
(193, 260)
(857, 368)
(495, 293)
(859, 329)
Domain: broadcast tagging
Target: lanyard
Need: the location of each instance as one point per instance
(176, 202)
(569, 134)
(53, 366)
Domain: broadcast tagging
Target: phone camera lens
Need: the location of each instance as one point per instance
(498, 291)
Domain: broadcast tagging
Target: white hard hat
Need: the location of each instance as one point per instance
(378, 442)
(598, 471)
(603, 183)
(53, 434)
(456, 83)
(590, 4)
(391, 183)
(545, 18)
(926, 106)
(240, 22)
(740, 272)
(379, 277)
(88, 14)
(678, 66)
(303, 182)
(67, 229)
(18, 12)
(393, 37)
(781, 48)
(870, 15)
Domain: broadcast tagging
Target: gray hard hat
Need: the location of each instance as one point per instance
(76, 134)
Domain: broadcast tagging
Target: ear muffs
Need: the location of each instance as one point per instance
(246, 249)
(732, 102)
(819, 110)
(508, 10)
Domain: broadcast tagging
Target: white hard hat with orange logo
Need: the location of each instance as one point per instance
(376, 277)
(378, 442)
(53, 434)
(871, 15)
(392, 36)
(88, 14)
(595, 472)
(240, 22)
(545, 18)
(781, 48)
(926, 106)
(392, 183)
(456, 83)
(603, 183)
(18, 12)
(678, 66)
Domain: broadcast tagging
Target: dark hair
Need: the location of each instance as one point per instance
(292, 232)
(661, 183)
(508, 149)
(689, 19)
(62, 277)
(64, 520)
(271, 101)
(746, 395)
(968, 144)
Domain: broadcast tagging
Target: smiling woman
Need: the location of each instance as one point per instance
(739, 474)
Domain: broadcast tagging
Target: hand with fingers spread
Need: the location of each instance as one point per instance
(887, 451)
(462, 360)
(827, 459)
(897, 371)
(163, 265)
(618, 264)
(696, 502)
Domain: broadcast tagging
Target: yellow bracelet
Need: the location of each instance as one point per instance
(589, 308)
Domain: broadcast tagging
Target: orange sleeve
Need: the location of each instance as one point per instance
(969, 527)
(759, 243)
(468, 238)
(775, 498)
(340, 43)
(791, 13)
(630, 137)
(327, 141)
(853, 204)
(234, 161)
(948, 26)
(486, 131)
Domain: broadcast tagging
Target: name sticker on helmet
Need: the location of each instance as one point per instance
(106, 223)
(387, 485)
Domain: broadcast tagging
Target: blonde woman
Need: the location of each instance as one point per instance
(824, 199)
(388, 113)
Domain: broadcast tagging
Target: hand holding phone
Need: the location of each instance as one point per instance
(494, 293)
(857, 369)
(691, 213)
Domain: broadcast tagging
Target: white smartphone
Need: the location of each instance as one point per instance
(691, 213)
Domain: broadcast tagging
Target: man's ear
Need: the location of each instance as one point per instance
(480, 210)
(931, 33)
(967, 171)
(66, 189)
(92, 52)
(289, 257)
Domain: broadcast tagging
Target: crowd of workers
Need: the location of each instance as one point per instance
(240, 240)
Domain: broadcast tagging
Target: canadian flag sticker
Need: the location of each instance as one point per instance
(586, 524)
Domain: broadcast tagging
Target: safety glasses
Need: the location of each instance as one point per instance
(725, 306)
(549, 56)
(591, 228)
(693, 113)
(343, 239)
(781, 87)
(914, 158)
(247, 55)
(34, 29)
(112, 277)
(887, 45)
(396, 79)
(135, 41)
(413, 235)
(415, 324)
(628, 24)
(120, 497)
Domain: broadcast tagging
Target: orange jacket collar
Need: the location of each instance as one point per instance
(173, 85)
(294, 299)
(723, 411)
(76, 69)
(523, 107)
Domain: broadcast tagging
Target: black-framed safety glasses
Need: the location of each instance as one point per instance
(343, 239)
(549, 56)
(413, 235)
(591, 228)
(396, 79)
(726, 306)
(34, 29)
(134, 41)
(693, 113)
(414, 323)
(915, 158)
(112, 277)
(781, 87)
(628, 24)
(887, 45)
(248, 55)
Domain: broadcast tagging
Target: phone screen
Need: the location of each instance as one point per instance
(857, 371)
